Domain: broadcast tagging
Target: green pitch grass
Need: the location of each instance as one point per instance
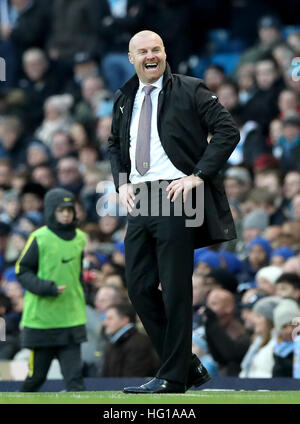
(191, 397)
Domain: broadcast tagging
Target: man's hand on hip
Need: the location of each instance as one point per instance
(183, 185)
(126, 195)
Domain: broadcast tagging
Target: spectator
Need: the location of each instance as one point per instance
(43, 175)
(222, 278)
(262, 107)
(254, 223)
(32, 197)
(248, 300)
(290, 235)
(280, 255)
(93, 94)
(288, 104)
(228, 94)
(288, 286)
(293, 41)
(61, 145)
(263, 199)
(11, 207)
(18, 180)
(84, 65)
(11, 345)
(246, 82)
(5, 172)
(14, 141)
(41, 80)
(56, 117)
(37, 154)
(69, 176)
(258, 361)
(102, 134)
(226, 337)
(259, 251)
(266, 278)
(93, 348)
(269, 34)
(296, 207)
(283, 54)
(292, 265)
(289, 144)
(128, 353)
(207, 260)
(252, 143)
(214, 77)
(284, 314)
(291, 185)
(237, 183)
(74, 29)
(23, 14)
(116, 24)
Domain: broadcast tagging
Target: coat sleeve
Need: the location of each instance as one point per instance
(118, 167)
(27, 269)
(225, 135)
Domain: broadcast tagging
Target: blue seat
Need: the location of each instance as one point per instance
(289, 29)
(229, 61)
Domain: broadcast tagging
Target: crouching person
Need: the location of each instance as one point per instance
(54, 314)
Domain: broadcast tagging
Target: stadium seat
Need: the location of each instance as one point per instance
(290, 29)
(229, 61)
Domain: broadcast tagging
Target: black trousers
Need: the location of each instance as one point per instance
(40, 359)
(160, 249)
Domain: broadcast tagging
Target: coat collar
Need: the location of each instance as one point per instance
(131, 86)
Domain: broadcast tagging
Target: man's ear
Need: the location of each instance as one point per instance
(130, 58)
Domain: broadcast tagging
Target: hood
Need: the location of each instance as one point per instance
(53, 199)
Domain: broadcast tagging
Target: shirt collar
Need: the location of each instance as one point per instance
(157, 84)
(115, 337)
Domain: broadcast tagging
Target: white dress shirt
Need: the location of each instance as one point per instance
(161, 168)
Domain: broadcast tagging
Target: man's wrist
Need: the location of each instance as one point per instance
(198, 173)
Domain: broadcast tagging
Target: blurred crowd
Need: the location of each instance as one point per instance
(64, 61)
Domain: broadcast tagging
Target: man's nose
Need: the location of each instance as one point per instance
(150, 54)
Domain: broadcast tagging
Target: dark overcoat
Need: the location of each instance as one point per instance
(187, 113)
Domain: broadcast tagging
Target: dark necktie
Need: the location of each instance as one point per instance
(142, 153)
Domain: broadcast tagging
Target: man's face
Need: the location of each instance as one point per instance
(266, 74)
(31, 202)
(147, 54)
(105, 297)
(114, 322)
(291, 184)
(35, 67)
(68, 172)
(43, 176)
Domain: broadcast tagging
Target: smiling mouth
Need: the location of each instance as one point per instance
(150, 66)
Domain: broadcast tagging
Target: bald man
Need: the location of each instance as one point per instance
(159, 134)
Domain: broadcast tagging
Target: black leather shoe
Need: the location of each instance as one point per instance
(198, 376)
(157, 385)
